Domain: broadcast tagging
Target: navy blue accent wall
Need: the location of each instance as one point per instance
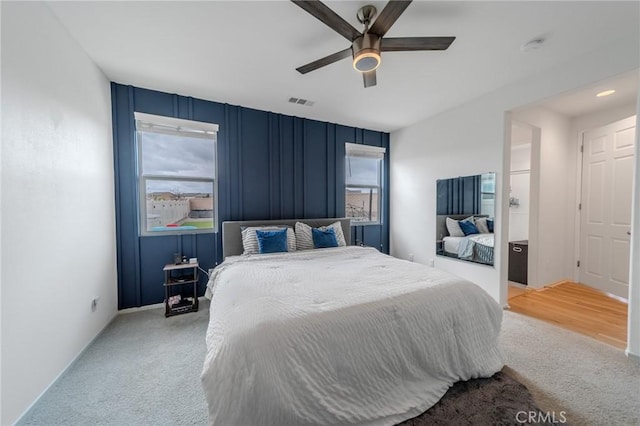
(459, 195)
(270, 166)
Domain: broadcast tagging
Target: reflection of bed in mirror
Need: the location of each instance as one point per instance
(465, 208)
(475, 248)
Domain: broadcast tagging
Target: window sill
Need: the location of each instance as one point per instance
(185, 232)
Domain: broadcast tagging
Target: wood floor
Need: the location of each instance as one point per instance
(576, 307)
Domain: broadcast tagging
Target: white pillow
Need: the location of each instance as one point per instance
(481, 224)
(250, 239)
(454, 228)
(304, 236)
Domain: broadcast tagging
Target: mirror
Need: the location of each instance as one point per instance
(465, 209)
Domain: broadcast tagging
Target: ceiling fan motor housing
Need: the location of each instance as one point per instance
(366, 52)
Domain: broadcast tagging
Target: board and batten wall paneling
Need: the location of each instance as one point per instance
(270, 166)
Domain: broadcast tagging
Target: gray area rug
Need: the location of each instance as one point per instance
(498, 400)
(145, 370)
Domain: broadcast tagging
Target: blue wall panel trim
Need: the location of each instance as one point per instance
(117, 195)
(270, 166)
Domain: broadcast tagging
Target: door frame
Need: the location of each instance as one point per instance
(577, 224)
(534, 202)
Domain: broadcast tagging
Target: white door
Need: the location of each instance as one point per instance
(607, 182)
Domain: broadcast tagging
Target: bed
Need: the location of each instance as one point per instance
(342, 335)
(477, 248)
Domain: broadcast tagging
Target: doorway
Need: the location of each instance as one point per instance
(578, 260)
(523, 205)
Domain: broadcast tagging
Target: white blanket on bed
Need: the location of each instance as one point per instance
(340, 336)
(465, 247)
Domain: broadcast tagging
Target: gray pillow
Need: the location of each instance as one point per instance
(481, 224)
(304, 236)
(454, 228)
(250, 240)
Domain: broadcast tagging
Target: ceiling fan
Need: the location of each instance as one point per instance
(366, 46)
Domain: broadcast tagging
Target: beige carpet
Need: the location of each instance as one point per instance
(145, 370)
(594, 383)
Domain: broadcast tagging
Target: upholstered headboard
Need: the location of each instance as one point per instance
(441, 225)
(232, 237)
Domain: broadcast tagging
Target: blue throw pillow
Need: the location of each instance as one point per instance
(272, 241)
(468, 227)
(490, 224)
(324, 238)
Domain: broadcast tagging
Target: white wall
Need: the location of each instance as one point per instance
(58, 215)
(470, 139)
(598, 119)
(422, 154)
(556, 188)
(0, 234)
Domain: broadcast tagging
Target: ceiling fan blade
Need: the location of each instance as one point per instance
(388, 16)
(369, 78)
(324, 61)
(403, 44)
(329, 18)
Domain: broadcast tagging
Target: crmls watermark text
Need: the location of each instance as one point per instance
(541, 417)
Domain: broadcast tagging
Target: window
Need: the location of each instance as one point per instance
(176, 175)
(363, 183)
(488, 194)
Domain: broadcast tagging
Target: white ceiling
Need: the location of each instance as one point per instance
(245, 53)
(584, 101)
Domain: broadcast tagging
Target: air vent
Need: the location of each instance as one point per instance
(301, 101)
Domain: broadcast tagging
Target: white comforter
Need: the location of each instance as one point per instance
(466, 245)
(340, 336)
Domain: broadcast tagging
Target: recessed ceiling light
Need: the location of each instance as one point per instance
(606, 93)
(534, 44)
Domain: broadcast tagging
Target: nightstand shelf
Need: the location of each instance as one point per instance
(175, 277)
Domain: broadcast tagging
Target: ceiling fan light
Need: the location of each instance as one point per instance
(366, 52)
(366, 60)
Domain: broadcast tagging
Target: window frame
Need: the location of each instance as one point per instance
(173, 127)
(366, 151)
(491, 195)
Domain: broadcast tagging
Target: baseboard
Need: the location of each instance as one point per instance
(557, 283)
(64, 370)
(611, 295)
(618, 298)
(147, 307)
(631, 355)
(141, 308)
(73, 361)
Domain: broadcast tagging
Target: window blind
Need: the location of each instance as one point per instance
(358, 150)
(174, 126)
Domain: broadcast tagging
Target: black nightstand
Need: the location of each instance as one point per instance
(180, 275)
